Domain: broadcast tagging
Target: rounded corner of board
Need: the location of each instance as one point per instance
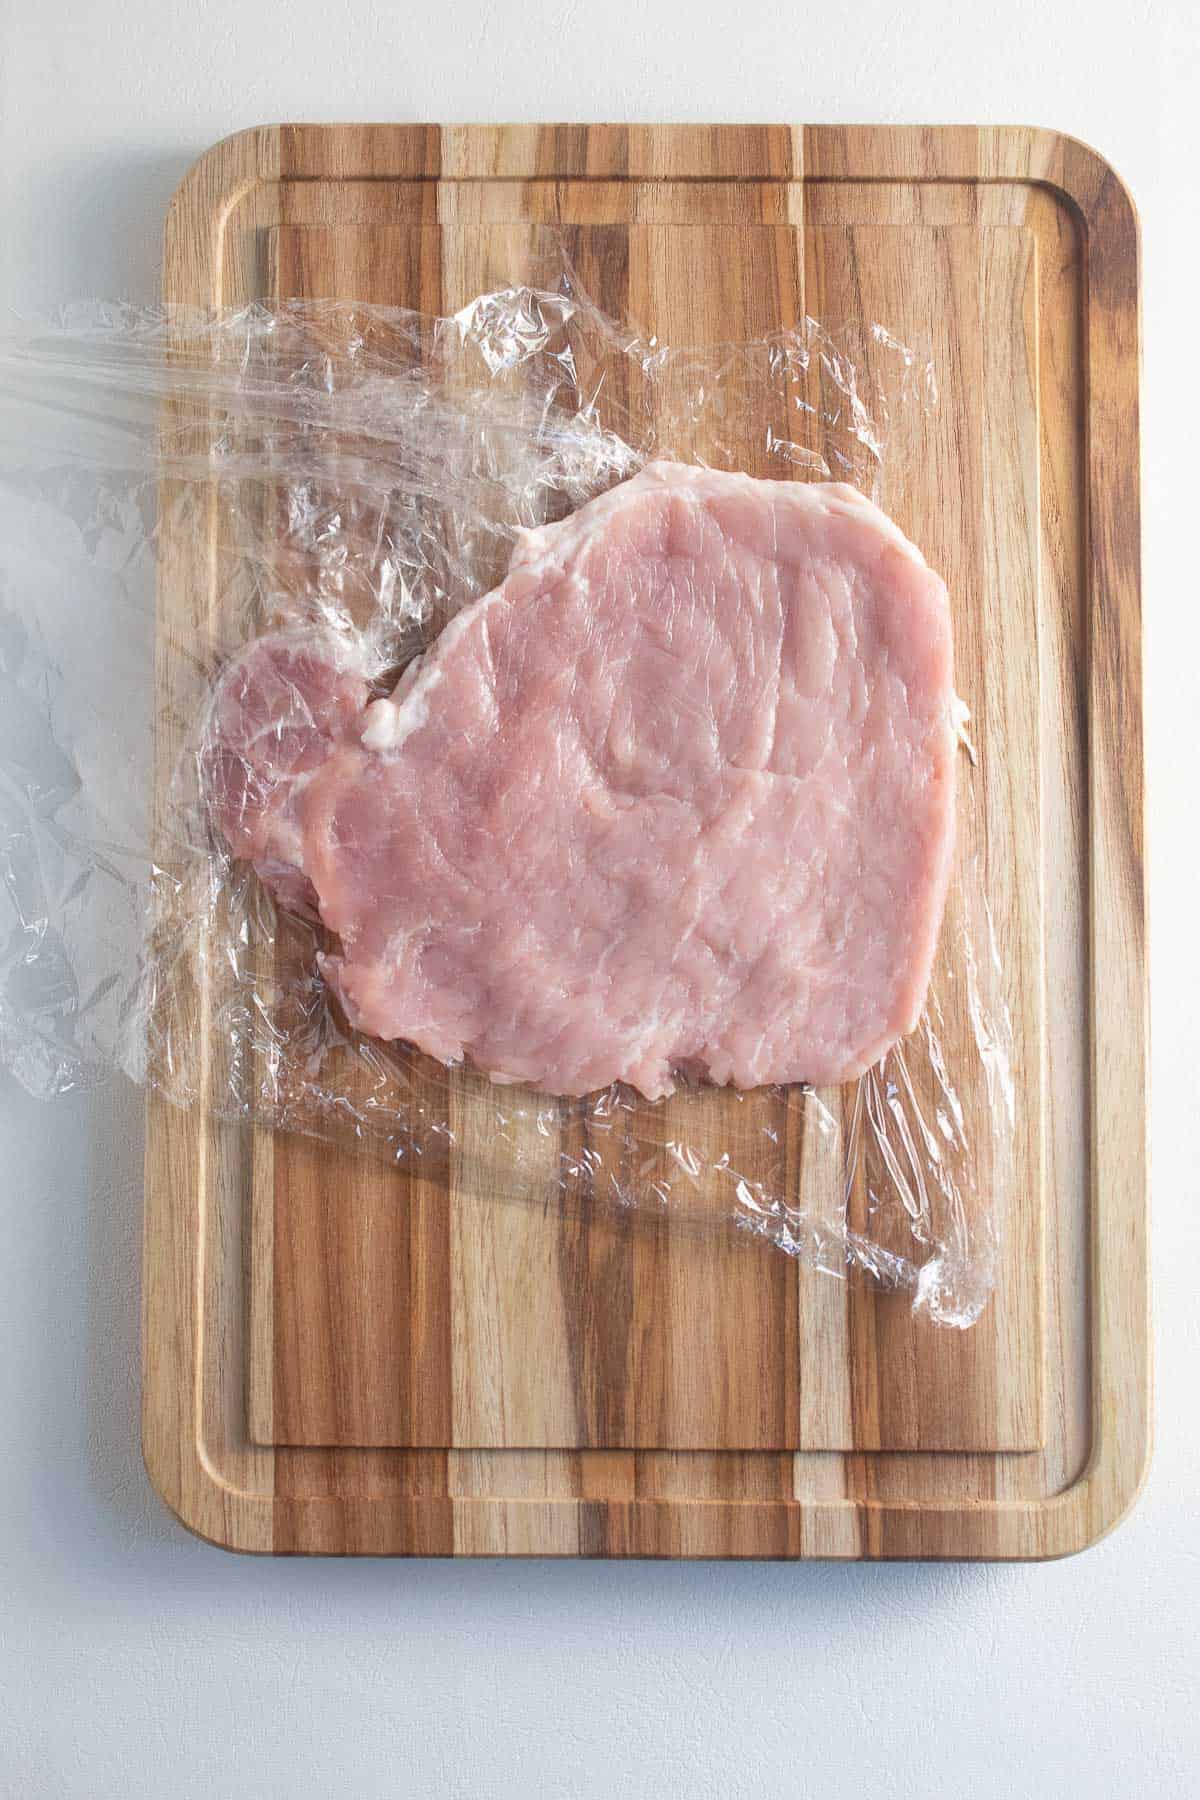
(1086, 178)
(213, 182)
(1099, 1503)
(199, 1506)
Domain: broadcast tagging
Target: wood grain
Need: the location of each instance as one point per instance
(343, 1359)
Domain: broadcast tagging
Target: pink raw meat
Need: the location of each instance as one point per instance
(680, 792)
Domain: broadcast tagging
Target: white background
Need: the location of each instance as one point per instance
(137, 1662)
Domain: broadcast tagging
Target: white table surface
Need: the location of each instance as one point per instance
(135, 1661)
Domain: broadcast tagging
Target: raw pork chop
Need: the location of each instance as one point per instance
(680, 792)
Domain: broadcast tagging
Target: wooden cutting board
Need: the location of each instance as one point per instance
(345, 1357)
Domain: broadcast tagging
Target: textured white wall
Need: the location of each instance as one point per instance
(135, 1662)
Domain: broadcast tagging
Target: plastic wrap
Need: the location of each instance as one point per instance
(363, 472)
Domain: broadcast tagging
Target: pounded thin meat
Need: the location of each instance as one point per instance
(679, 792)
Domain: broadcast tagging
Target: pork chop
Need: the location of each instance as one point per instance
(678, 793)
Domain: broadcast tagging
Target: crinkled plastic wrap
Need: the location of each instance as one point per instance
(363, 471)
